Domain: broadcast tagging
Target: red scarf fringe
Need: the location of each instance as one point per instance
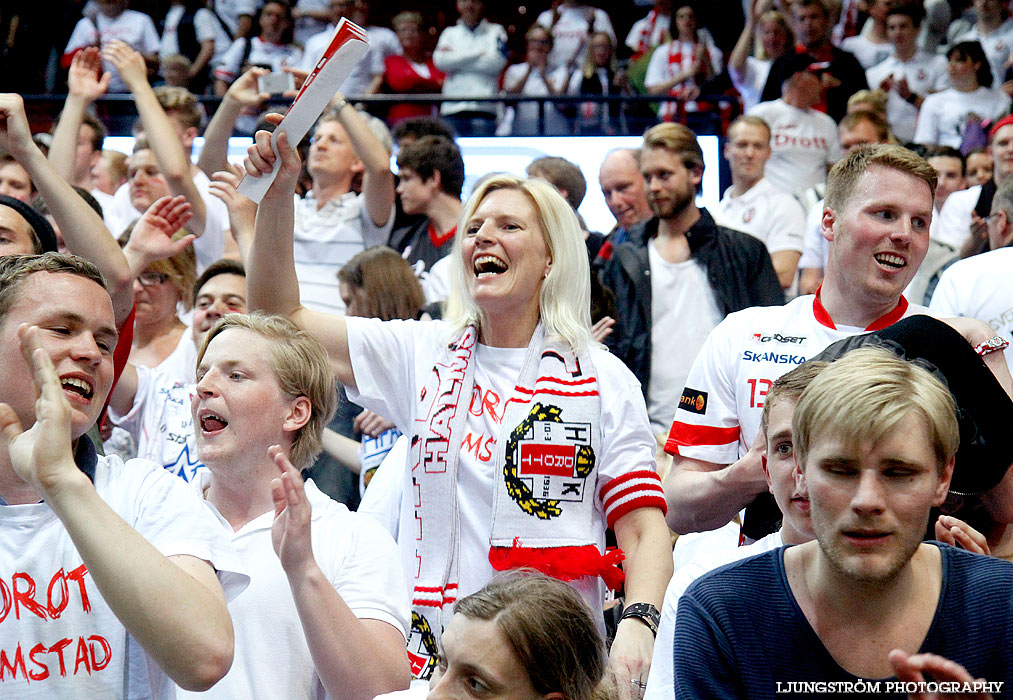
(563, 563)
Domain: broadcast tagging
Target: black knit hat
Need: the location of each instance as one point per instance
(984, 411)
(43, 230)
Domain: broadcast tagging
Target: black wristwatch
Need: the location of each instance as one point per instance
(646, 613)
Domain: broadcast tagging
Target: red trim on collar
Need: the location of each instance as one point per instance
(887, 319)
(439, 239)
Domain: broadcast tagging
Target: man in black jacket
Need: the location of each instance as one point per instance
(679, 274)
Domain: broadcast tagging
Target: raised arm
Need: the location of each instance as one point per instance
(744, 46)
(174, 607)
(242, 210)
(172, 159)
(86, 83)
(376, 663)
(84, 232)
(377, 179)
(242, 93)
(271, 283)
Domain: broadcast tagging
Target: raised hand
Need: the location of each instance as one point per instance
(290, 533)
(955, 532)
(86, 78)
(371, 424)
(244, 89)
(15, 134)
(151, 238)
(41, 455)
(128, 62)
(261, 157)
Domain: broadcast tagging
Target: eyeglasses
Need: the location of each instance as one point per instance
(152, 279)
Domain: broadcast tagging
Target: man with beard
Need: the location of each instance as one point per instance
(875, 437)
(679, 273)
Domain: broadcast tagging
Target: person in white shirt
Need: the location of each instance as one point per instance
(872, 259)
(994, 31)
(320, 575)
(748, 72)
(872, 45)
(571, 24)
(650, 32)
(271, 48)
(945, 115)
(114, 22)
(680, 67)
(961, 211)
(908, 75)
(472, 54)
(134, 552)
(366, 76)
(204, 40)
(535, 78)
(171, 118)
(804, 141)
(755, 206)
(978, 286)
(777, 460)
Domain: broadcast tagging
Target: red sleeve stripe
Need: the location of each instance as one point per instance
(634, 501)
(686, 435)
(640, 489)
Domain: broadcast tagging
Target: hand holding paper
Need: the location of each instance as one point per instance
(347, 48)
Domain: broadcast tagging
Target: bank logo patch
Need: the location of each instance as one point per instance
(694, 401)
(547, 462)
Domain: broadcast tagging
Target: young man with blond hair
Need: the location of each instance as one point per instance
(319, 574)
(876, 216)
(875, 437)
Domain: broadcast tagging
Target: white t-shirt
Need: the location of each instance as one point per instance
(131, 27)
(943, 115)
(765, 212)
(803, 143)
(997, 47)
(570, 32)
(205, 26)
(389, 360)
(683, 312)
(925, 73)
(673, 58)
(737, 365)
(262, 53)
(327, 239)
(272, 658)
(525, 114)
(750, 84)
(868, 52)
(660, 682)
(161, 423)
(955, 217)
(68, 624)
(382, 43)
(648, 32)
(231, 10)
(979, 287)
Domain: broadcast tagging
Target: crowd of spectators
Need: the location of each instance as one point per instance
(385, 388)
